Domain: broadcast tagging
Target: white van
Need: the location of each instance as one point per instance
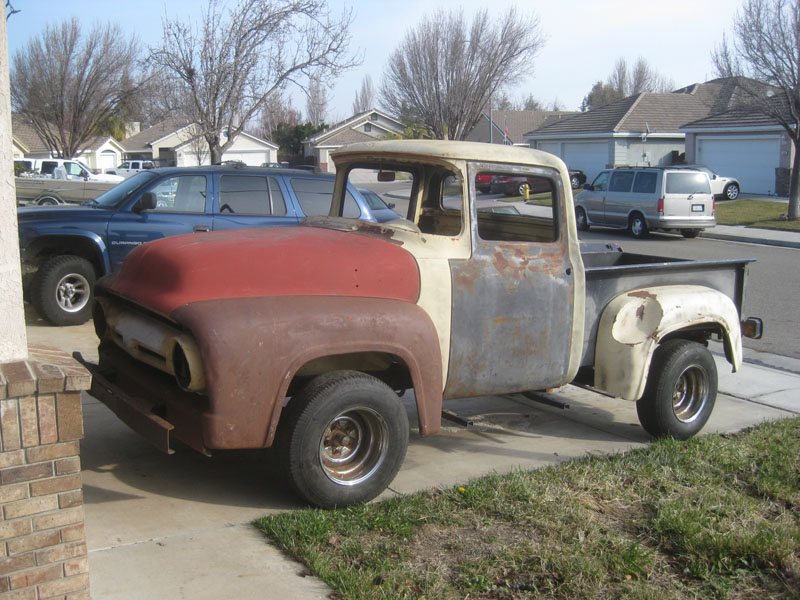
(644, 198)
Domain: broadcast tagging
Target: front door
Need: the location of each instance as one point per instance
(514, 299)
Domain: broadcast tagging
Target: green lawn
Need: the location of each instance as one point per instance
(755, 213)
(715, 517)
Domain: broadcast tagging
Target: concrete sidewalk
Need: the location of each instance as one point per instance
(179, 526)
(751, 235)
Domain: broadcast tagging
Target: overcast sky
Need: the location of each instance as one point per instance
(584, 37)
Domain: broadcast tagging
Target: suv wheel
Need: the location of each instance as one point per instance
(62, 290)
(638, 226)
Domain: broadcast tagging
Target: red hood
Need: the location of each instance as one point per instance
(282, 261)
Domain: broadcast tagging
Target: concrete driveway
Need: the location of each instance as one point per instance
(178, 526)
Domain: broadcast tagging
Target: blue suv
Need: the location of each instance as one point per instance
(64, 249)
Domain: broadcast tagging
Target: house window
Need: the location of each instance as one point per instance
(367, 127)
(374, 116)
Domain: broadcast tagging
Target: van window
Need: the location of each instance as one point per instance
(688, 183)
(250, 195)
(600, 182)
(645, 182)
(621, 181)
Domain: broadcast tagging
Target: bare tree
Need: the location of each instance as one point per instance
(626, 81)
(277, 109)
(765, 54)
(445, 71)
(228, 67)
(67, 86)
(316, 100)
(365, 97)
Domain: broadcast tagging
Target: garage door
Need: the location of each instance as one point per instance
(589, 157)
(751, 160)
(551, 147)
(254, 159)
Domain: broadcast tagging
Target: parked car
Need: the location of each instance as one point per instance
(644, 198)
(510, 185)
(576, 178)
(131, 167)
(272, 165)
(65, 249)
(382, 211)
(722, 187)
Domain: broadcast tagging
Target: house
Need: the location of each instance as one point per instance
(366, 126)
(175, 142)
(643, 129)
(100, 153)
(754, 148)
(510, 126)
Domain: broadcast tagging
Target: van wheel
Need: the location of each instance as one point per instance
(61, 291)
(731, 191)
(690, 233)
(681, 390)
(638, 226)
(581, 219)
(342, 439)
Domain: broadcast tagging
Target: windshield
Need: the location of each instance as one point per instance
(118, 194)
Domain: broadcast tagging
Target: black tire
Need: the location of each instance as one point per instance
(690, 233)
(638, 226)
(522, 187)
(681, 390)
(731, 191)
(47, 201)
(581, 219)
(342, 439)
(575, 182)
(61, 291)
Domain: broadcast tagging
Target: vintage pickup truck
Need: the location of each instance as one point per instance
(301, 336)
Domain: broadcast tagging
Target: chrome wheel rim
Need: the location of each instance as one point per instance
(353, 446)
(690, 394)
(637, 226)
(73, 292)
(581, 217)
(733, 192)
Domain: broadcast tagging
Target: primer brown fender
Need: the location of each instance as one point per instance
(253, 347)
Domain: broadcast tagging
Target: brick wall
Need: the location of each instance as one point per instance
(42, 542)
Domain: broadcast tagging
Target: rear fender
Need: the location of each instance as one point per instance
(633, 324)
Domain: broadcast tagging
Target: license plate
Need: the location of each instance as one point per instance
(698, 207)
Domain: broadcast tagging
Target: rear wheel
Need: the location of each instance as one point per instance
(690, 233)
(681, 390)
(343, 438)
(62, 290)
(575, 182)
(47, 201)
(638, 226)
(581, 219)
(523, 189)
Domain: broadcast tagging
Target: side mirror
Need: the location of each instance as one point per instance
(147, 201)
(391, 205)
(588, 186)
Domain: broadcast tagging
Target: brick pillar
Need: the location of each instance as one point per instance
(42, 541)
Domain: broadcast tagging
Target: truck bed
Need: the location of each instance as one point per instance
(610, 272)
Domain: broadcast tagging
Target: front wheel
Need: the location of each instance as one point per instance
(62, 290)
(681, 390)
(731, 191)
(638, 226)
(342, 439)
(523, 189)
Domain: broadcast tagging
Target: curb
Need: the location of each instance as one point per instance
(750, 240)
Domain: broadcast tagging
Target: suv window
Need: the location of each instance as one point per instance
(182, 193)
(621, 181)
(251, 195)
(688, 183)
(315, 195)
(645, 182)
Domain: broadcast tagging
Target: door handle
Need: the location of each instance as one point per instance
(199, 228)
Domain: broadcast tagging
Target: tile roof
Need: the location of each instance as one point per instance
(653, 112)
(321, 138)
(518, 122)
(142, 140)
(347, 136)
(27, 136)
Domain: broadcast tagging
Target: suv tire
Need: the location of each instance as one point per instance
(61, 291)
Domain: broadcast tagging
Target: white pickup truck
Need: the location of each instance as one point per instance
(131, 167)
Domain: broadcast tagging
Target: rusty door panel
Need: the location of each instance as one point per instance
(513, 306)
